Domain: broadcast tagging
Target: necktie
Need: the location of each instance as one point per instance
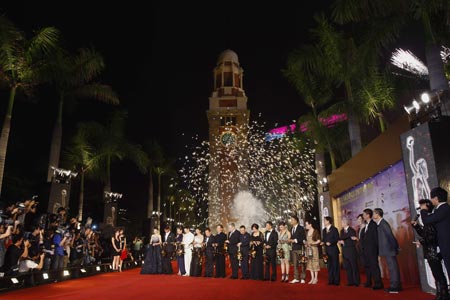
(293, 229)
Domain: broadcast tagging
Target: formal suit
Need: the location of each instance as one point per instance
(369, 246)
(220, 239)
(168, 245)
(331, 235)
(350, 255)
(233, 240)
(271, 239)
(362, 262)
(441, 220)
(388, 248)
(298, 235)
(244, 239)
(209, 253)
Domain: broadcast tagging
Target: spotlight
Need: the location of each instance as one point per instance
(425, 97)
(45, 275)
(14, 280)
(324, 180)
(83, 270)
(416, 104)
(66, 273)
(135, 263)
(409, 109)
(97, 268)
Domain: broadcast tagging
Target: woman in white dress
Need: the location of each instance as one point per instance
(197, 255)
(188, 240)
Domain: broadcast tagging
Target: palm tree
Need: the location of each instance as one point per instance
(431, 14)
(109, 144)
(316, 93)
(74, 78)
(154, 153)
(348, 63)
(23, 65)
(79, 156)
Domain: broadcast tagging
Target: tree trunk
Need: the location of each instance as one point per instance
(333, 160)
(159, 192)
(382, 123)
(437, 75)
(81, 197)
(55, 147)
(354, 130)
(150, 195)
(108, 174)
(5, 134)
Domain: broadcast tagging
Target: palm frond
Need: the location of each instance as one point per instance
(97, 91)
(43, 43)
(88, 64)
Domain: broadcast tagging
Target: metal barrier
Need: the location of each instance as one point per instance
(35, 278)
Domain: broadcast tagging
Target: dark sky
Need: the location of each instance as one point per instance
(160, 60)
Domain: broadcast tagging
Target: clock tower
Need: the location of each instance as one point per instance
(228, 118)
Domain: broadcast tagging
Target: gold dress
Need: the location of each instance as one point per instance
(313, 261)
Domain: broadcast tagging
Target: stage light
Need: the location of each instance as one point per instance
(45, 275)
(83, 270)
(409, 109)
(110, 267)
(416, 104)
(66, 273)
(425, 97)
(324, 180)
(97, 268)
(135, 263)
(14, 280)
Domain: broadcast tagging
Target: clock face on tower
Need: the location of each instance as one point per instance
(228, 138)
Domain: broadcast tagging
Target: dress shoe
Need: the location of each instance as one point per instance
(367, 285)
(302, 281)
(336, 284)
(392, 290)
(294, 281)
(273, 279)
(349, 284)
(378, 287)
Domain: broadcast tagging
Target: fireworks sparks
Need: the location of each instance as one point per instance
(406, 60)
(279, 173)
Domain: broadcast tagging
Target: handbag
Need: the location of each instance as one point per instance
(124, 254)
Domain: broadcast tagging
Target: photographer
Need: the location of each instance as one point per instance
(59, 240)
(36, 239)
(5, 232)
(26, 263)
(14, 253)
(428, 239)
(77, 249)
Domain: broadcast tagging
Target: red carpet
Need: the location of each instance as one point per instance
(131, 285)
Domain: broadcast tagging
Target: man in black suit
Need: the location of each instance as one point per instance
(347, 239)
(270, 244)
(169, 246)
(209, 253)
(441, 220)
(360, 237)
(219, 241)
(298, 236)
(369, 246)
(232, 241)
(244, 245)
(388, 248)
(330, 236)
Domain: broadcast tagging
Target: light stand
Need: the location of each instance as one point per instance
(60, 189)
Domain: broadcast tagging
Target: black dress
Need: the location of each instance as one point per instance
(256, 269)
(152, 261)
(117, 244)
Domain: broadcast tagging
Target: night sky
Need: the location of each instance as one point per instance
(160, 61)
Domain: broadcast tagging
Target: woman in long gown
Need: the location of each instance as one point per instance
(256, 253)
(312, 250)
(152, 262)
(197, 255)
